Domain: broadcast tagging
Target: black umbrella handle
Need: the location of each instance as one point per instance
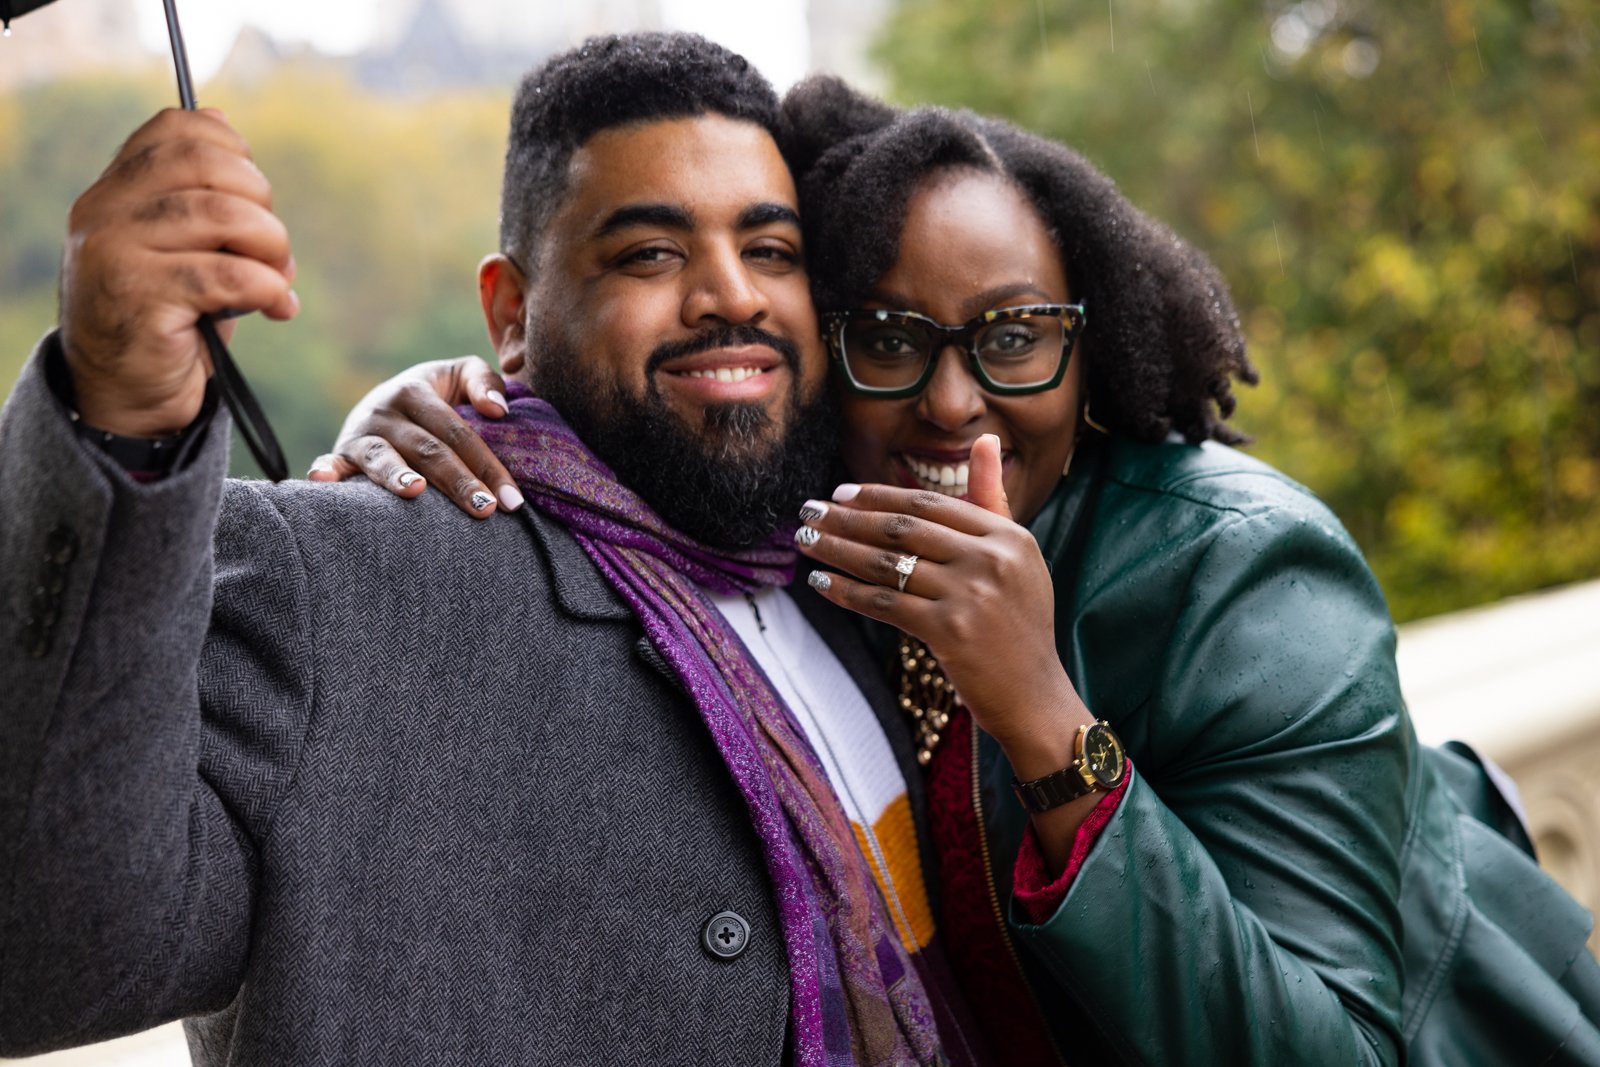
(247, 413)
(180, 57)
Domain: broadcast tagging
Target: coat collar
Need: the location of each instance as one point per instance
(581, 590)
(1066, 515)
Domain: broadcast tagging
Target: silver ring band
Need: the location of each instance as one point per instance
(903, 567)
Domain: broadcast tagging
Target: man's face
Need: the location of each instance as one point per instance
(670, 314)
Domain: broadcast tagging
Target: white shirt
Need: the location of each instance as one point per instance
(844, 733)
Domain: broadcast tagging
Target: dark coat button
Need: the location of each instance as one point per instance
(54, 580)
(45, 609)
(35, 639)
(60, 545)
(726, 936)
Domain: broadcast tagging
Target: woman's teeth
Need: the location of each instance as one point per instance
(951, 480)
(724, 374)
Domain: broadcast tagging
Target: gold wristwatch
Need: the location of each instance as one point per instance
(1098, 765)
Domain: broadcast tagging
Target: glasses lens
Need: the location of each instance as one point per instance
(885, 355)
(1021, 351)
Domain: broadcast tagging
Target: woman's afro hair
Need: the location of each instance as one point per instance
(603, 83)
(1163, 346)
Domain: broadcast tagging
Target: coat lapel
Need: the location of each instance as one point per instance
(583, 592)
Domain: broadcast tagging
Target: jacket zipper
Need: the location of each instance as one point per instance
(994, 898)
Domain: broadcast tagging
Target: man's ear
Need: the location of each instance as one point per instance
(501, 288)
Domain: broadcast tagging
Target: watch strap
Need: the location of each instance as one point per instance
(1070, 782)
(146, 459)
(1053, 790)
(153, 456)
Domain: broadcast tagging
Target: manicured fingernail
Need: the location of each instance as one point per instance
(813, 511)
(408, 478)
(807, 536)
(481, 500)
(819, 580)
(847, 492)
(320, 467)
(510, 499)
(498, 399)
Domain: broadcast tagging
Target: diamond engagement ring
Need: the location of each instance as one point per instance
(903, 567)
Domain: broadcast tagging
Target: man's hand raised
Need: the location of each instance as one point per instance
(179, 226)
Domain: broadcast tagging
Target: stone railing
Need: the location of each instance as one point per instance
(1519, 681)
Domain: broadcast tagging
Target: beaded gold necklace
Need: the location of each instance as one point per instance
(926, 695)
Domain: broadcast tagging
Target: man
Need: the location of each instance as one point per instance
(245, 782)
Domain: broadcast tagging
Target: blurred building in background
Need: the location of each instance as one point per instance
(842, 32)
(73, 38)
(432, 44)
(419, 47)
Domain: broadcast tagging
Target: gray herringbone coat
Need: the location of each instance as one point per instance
(382, 784)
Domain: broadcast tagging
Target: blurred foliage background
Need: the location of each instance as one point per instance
(390, 201)
(1406, 201)
(1405, 198)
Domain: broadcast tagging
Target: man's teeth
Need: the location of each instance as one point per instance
(941, 478)
(724, 374)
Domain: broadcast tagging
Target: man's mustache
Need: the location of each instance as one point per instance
(724, 337)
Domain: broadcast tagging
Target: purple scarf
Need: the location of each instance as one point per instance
(855, 997)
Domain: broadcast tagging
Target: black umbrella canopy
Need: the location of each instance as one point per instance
(247, 414)
(10, 9)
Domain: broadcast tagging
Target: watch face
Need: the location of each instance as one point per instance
(1102, 753)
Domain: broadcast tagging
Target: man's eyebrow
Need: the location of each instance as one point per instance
(669, 216)
(765, 214)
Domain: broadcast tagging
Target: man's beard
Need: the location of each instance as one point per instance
(729, 483)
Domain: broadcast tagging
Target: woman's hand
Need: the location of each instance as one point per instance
(405, 433)
(979, 596)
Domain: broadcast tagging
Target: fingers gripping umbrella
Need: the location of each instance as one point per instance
(247, 413)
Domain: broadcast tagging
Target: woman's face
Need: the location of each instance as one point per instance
(972, 242)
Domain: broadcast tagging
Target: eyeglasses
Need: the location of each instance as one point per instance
(1013, 351)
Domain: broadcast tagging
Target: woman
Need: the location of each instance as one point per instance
(1008, 329)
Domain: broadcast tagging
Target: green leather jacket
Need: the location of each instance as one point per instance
(1246, 903)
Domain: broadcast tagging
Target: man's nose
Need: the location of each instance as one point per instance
(953, 397)
(723, 289)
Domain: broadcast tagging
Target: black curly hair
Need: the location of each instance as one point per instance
(603, 83)
(1163, 346)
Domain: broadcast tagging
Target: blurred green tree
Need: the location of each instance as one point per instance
(390, 203)
(1404, 197)
(1406, 201)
